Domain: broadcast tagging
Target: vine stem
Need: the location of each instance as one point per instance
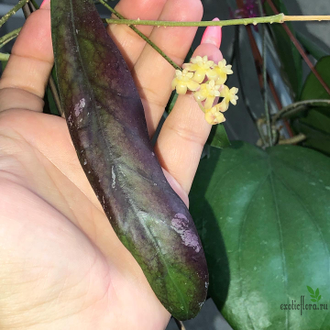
(4, 57)
(9, 36)
(294, 140)
(144, 37)
(179, 324)
(296, 18)
(279, 18)
(12, 11)
(297, 107)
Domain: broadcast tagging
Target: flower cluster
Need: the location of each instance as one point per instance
(207, 80)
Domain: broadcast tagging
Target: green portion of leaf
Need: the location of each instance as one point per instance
(264, 221)
(316, 51)
(313, 300)
(218, 137)
(319, 298)
(315, 123)
(289, 55)
(310, 289)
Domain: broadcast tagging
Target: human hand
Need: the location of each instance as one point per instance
(62, 266)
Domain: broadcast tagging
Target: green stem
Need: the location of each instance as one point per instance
(4, 57)
(34, 4)
(200, 106)
(279, 18)
(9, 36)
(239, 21)
(179, 324)
(297, 107)
(144, 37)
(294, 140)
(12, 11)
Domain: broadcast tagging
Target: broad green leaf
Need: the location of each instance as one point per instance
(319, 298)
(310, 289)
(313, 300)
(317, 292)
(288, 53)
(263, 217)
(218, 137)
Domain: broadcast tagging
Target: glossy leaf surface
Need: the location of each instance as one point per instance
(264, 221)
(108, 128)
(218, 137)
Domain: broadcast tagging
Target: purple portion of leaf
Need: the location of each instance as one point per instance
(108, 128)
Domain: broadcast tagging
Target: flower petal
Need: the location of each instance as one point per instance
(193, 86)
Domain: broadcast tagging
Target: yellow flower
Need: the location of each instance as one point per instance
(229, 95)
(208, 92)
(193, 75)
(222, 106)
(219, 72)
(183, 81)
(201, 66)
(214, 117)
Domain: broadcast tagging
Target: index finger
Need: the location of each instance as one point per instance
(30, 64)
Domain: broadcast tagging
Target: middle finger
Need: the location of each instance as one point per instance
(129, 43)
(152, 73)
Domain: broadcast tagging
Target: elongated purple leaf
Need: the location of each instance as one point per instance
(108, 128)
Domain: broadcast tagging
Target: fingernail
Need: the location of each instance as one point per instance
(44, 3)
(212, 35)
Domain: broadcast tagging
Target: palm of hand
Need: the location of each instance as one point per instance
(62, 265)
(72, 268)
